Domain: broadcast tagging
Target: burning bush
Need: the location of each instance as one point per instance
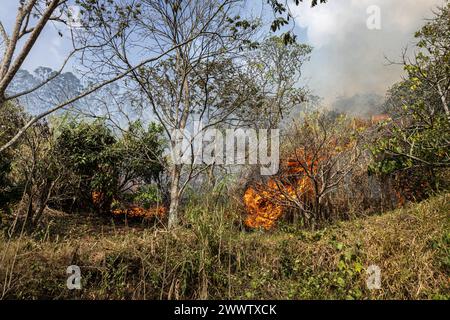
(319, 155)
(262, 210)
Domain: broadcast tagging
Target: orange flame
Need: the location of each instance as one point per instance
(262, 210)
(266, 204)
(132, 211)
(138, 212)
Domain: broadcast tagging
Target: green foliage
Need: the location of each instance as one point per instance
(419, 134)
(107, 164)
(12, 118)
(283, 16)
(148, 196)
(86, 146)
(140, 152)
(86, 149)
(426, 145)
(442, 246)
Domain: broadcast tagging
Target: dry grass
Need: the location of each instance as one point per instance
(214, 260)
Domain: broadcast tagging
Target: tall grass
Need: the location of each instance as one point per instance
(210, 257)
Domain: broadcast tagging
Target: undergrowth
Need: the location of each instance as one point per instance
(212, 258)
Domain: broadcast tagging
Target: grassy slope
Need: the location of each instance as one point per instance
(411, 246)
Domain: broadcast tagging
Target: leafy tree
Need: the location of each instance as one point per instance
(85, 148)
(418, 136)
(106, 164)
(431, 66)
(275, 70)
(140, 153)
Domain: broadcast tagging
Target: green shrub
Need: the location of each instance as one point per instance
(106, 163)
(12, 117)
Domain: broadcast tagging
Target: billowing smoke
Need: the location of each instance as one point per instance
(362, 105)
(348, 58)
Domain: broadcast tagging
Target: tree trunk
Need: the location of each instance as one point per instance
(175, 173)
(444, 101)
(174, 195)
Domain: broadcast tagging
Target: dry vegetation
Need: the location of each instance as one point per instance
(213, 259)
(95, 177)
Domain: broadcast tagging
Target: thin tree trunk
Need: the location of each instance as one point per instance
(175, 174)
(174, 195)
(444, 101)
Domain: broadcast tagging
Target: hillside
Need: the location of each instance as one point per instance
(214, 260)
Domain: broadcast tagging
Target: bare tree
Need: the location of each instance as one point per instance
(24, 30)
(319, 154)
(199, 79)
(276, 71)
(44, 12)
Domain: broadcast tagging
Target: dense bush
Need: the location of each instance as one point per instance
(416, 142)
(85, 149)
(106, 164)
(12, 118)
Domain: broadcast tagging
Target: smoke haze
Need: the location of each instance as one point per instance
(348, 58)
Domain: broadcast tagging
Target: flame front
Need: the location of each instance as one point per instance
(266, 203)
(131, 211)
(138, 212)
(262, 210)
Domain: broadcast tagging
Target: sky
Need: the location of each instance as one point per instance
(348, 58)
(50, 50)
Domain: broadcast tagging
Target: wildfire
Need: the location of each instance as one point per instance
(138, 212)
(262, 210)
(132, 211)
(266, 203)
